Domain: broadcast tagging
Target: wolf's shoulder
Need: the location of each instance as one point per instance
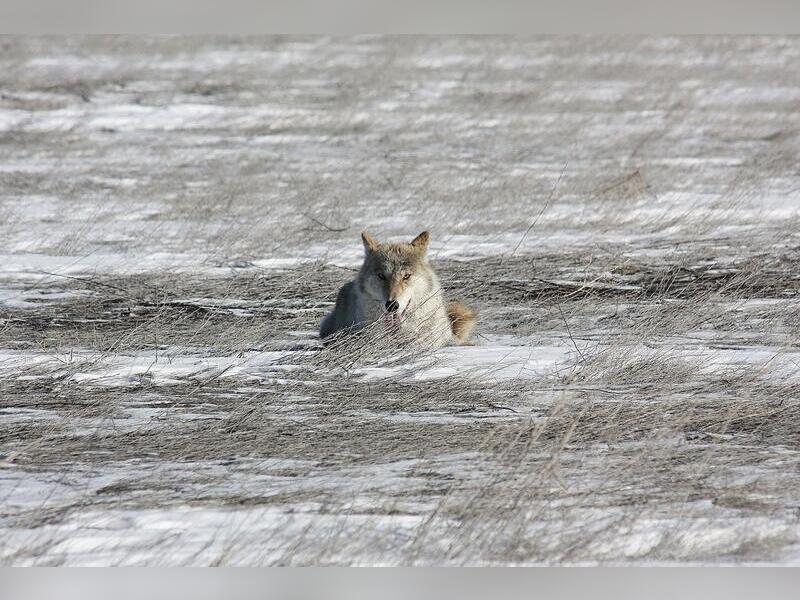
(349, 292)
(350, 287)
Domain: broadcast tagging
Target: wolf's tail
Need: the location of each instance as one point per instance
(462, 320)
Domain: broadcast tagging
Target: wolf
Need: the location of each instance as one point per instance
(398, 290)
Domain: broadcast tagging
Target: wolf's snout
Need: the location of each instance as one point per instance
(392, 305)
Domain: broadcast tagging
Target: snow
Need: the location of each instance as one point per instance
(214, 160)
(492, 360)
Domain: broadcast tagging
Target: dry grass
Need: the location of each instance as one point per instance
(653, 255)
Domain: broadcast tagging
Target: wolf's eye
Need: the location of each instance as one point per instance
(381, 276)
(407, 276)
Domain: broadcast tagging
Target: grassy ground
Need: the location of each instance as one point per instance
(176, 216)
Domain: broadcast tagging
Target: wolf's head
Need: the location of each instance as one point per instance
(396, 274)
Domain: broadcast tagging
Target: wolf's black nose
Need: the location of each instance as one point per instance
(392, 305)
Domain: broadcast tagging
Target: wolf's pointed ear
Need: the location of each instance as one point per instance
(421, 242)
(370, 243)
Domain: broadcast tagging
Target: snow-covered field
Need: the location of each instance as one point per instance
(176, 216)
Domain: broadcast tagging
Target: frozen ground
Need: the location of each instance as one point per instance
(177, 214)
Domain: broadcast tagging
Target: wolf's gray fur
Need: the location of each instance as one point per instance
(399, 273)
